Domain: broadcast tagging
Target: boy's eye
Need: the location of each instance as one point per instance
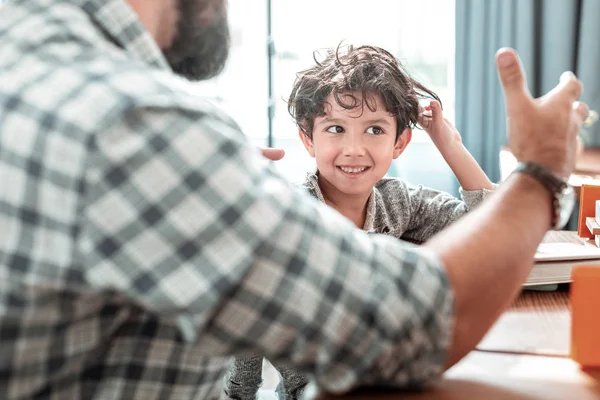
(375, 130)
(335, 129)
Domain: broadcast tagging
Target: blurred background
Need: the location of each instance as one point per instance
(273, 40)
(448, 45)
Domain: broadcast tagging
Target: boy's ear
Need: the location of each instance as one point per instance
(308, 144)
(402, 142)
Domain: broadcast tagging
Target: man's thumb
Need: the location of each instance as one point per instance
(511, 75)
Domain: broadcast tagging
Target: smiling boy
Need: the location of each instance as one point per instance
(355, 111)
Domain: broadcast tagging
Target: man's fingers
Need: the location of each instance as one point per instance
(568, 89)
(512, 77)
(570, 85)
(272, 154)
(581, 112)
(591, 119)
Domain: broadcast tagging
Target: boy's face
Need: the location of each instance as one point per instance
(354, 148)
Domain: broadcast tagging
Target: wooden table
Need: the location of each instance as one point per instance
(485, 376)
(537, 323)
(587, 168)
(530, 363)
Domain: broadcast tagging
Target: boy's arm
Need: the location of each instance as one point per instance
(429, 211)
(448, 141)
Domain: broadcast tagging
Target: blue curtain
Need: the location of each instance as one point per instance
(551, 36)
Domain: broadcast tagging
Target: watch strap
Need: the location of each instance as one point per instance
(549, 180)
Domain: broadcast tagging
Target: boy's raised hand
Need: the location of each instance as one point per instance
(449, 143)
(441, 131)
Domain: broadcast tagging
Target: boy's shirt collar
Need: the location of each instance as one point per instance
(312, 183)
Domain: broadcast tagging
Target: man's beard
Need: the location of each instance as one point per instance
(199, 51)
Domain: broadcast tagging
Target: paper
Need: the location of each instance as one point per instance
(566, 245)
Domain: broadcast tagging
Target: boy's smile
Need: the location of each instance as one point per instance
(354, 147)
(353, 171)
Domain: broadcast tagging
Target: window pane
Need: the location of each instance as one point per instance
(419, 33)
(242, 88)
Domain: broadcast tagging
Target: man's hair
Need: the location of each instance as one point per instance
(369, 70)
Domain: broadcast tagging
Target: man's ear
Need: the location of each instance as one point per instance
(402, 142)
(308, 144)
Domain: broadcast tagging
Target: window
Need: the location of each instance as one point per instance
(419, 33)
(242, 88)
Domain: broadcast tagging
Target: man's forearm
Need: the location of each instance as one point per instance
(488, 254)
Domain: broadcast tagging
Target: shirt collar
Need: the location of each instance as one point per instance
(121, 24)
(312, 178)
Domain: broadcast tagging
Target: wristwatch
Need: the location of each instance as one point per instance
(563, 195)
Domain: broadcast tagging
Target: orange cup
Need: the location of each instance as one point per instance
(585, 315)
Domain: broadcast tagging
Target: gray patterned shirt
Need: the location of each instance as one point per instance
(413, 213)
(143, 240)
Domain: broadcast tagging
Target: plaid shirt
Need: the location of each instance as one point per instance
(143, 241)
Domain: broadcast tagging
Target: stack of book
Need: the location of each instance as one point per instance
(558, 253)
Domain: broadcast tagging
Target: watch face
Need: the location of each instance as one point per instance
(567, 202)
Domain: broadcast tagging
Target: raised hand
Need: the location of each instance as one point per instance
(441, 131)
(542, 130)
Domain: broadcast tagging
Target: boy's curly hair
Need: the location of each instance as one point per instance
(369, 70)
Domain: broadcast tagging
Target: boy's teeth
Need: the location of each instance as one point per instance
(353, 170)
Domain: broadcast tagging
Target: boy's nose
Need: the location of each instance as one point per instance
(354, 146)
